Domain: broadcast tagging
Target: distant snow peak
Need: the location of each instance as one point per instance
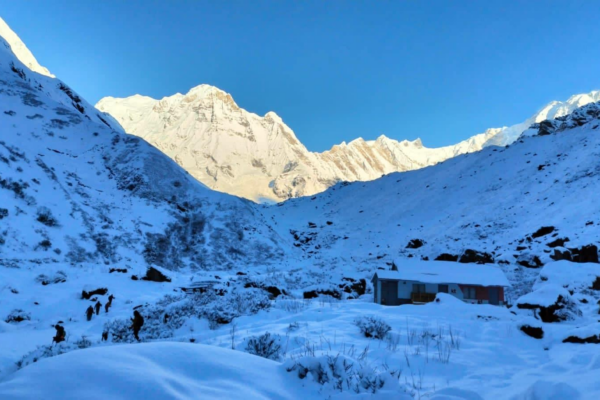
(555, 109)
(21, 51)
(260, 158)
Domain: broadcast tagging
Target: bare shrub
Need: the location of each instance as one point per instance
(265, 346)
(372, 327)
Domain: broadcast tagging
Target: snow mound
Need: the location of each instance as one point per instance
(153, 371)
(570, 275)
(549, 391)
(545, 296)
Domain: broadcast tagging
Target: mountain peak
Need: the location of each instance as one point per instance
(21, 51)
(204, 90)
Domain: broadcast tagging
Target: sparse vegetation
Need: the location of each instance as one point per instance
(373, 327)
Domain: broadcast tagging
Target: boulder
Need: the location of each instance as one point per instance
(446, 257)
(154, 275)
(533, 331)
(551, 303)
(575, 339)
(584, 254)
(474, 256)
(543, 231)
(529, 260)
(559, 242)
(88, 295)
(415, 244)
(274, 291)
(561, 255)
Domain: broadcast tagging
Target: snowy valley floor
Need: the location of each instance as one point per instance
(445, 349)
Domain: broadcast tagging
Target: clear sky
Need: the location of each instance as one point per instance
(333, 70)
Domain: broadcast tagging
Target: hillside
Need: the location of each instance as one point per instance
(75, 189)
(491, 201)
(234, 151)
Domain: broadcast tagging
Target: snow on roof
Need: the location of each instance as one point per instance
(445, 272)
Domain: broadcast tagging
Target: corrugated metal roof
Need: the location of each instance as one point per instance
(446, 272)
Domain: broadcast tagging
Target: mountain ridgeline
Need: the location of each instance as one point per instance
(259, 158)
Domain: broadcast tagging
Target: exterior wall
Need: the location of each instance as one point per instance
(482, 294)
(405, 289)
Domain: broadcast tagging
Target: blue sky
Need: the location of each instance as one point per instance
(335, 70)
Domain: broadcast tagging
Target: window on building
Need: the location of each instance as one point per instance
(443, 288)
(418, 288)
(469, 292)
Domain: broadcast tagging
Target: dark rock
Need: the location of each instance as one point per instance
(545, 127)
(87, 295)
(240, 273)
(446, 257)
(274, 291)
(543, 231)
(533, 262)
(312, 225)
(121, 270)
(354, 287)
(533, 331)
(134, 277)
(474, 256)
(561, 255)
(584, 254)
(596, 284)
(415, 244)
(521, 248)
(557, 312)
(154, 275)
(574, 339)
(312, 294)
(560, 242)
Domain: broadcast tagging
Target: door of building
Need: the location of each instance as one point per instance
(389, 293)
(494, 295)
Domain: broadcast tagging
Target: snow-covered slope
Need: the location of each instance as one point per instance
(160, 371)
(21, 51)
(491, 201)
(75, 189)
(260, 158)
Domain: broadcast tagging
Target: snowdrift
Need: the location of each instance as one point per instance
(154, 371)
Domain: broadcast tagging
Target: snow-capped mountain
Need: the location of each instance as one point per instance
(237, 152)
(21, 51)
(555, 109)
(260, 158)
(74, 188)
